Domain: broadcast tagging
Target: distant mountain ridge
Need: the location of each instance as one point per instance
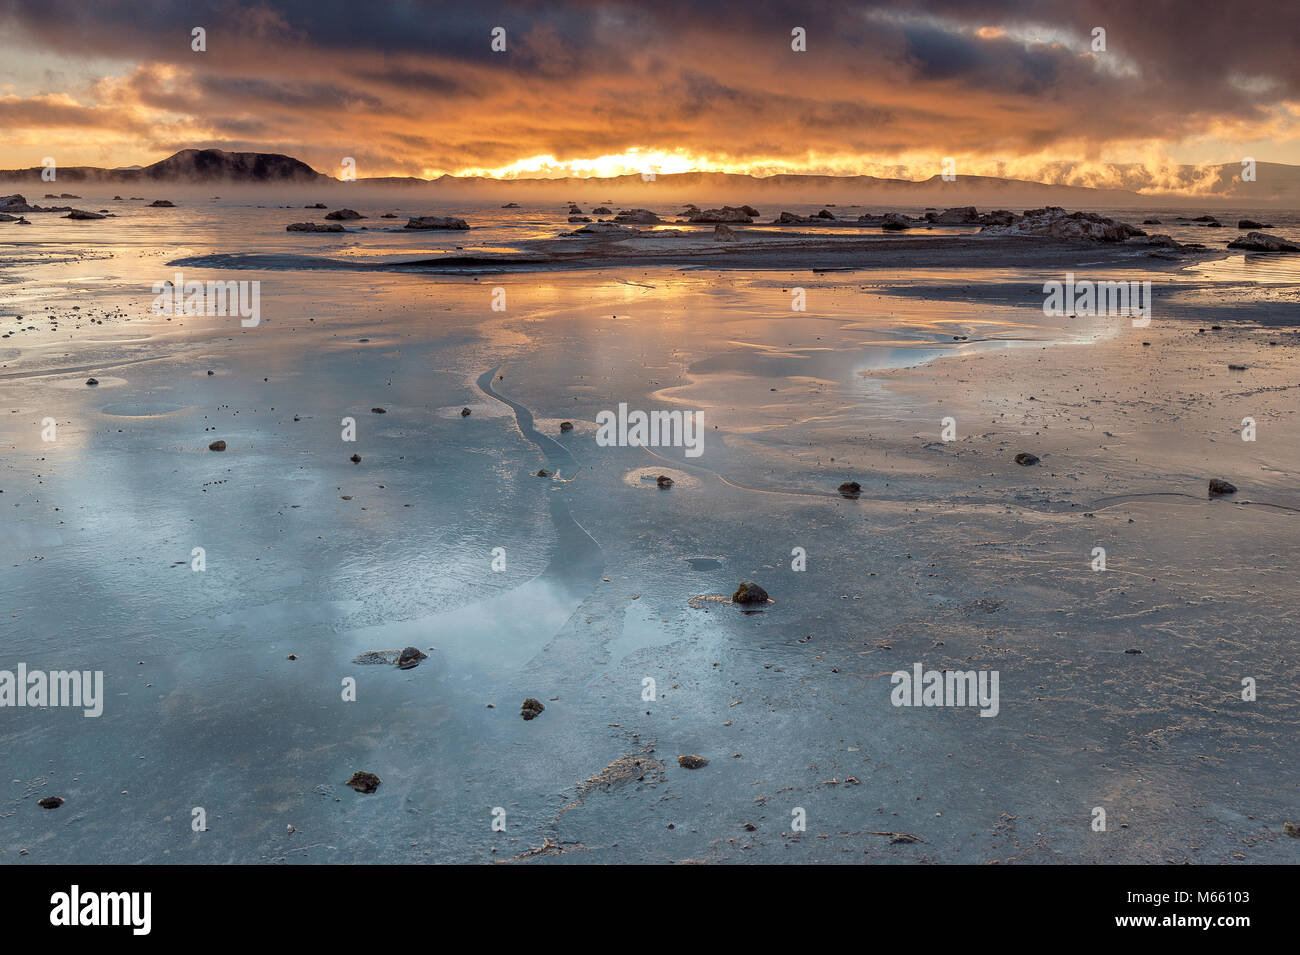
(187, 166)
(1275, 182)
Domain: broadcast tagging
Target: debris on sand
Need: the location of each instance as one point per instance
(1218, 486)
(850, 489)
(355, 459)
(364, 782)
(217, 446)
(566, 427)
(531, 709)
(403, 659)
(749, 593)
(664, 481)
(692, 762)
(464, 412)
(1025, 459)
(54, 802)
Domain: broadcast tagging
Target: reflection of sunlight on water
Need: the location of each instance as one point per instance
(1270, 268)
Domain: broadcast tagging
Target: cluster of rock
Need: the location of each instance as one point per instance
(1054, 222)
(727, 214)
(1262, 242)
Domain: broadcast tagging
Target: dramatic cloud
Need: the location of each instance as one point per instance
(1009, 88)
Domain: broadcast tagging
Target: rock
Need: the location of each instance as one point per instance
(1025, 459)
(511, 205)
(850, 489)
(343, 214)
(436, 222)
(410, 658)
(92, 381)
(1218, 486)
(692, 762)
(464, 412)
(83, 214)
(999, 217)
(1151, 222)
(1263, 242)
(543, 473)
(50, 802)
(1134, 651)
(313, 227)
(1214, 225)
(579, 218)
(388, 215)
(574, 211)
(725, 214)
(958, 215)
(1054, 222)
(318, 205)
(1252, 224)
(364, 782)
(531, 709)
(825, 214)
(664, 481)
(1291, 829)
(217, 446)
(893, 222)
(638, 216)
(378, 411)
(1236, 368)
(566, 427)
(604, 228)
(790, 218)
(602, 211)
(162, 204)
(15, 204)
(749, 593)
(723, 233)
(355, 459)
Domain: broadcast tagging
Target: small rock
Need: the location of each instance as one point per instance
(691, 762)
(543, 473)
(1134, 651)
(850, 489)
(217, 446)
(1025, 459)
(50, 802)
(664, 481)
(355, 459)
(1222, 487)
(531, 709)
(464, 412)
(566, 427)
(749, 593)
(378, 411)
(410, 658)
(364, 782)
(1291, 829)
(92, 381)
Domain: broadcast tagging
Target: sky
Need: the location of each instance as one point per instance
(1015, 89)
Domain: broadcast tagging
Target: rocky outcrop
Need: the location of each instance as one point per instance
(791, 218)
(162, 204)
(722, 233)
(531, 709)
(725, 214)
(343, 215)
(1252, 224)
(313, 227)
(958, 215)
(436, 222)
(893, 222)
(1055, 223)
(603, 228)
(638, 217)
(1263, 242)
(602, 211)
(83, 214)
